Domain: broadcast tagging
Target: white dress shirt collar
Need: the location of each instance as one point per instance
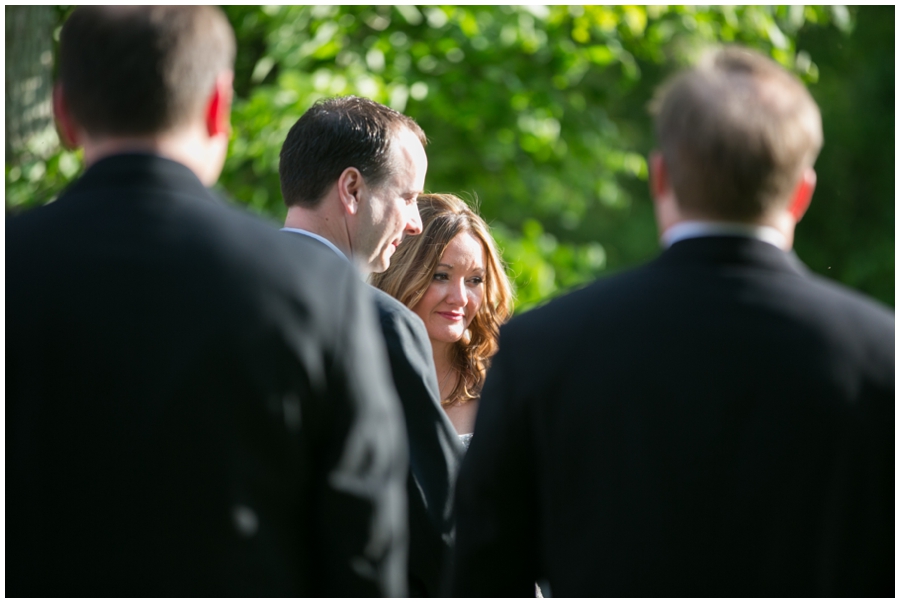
(692, 229)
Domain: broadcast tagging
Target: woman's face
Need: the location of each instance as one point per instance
(456, 291)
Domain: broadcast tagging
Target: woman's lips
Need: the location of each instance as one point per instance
(452, 316)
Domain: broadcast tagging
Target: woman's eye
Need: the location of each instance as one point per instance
(476, 280)
(441, 276)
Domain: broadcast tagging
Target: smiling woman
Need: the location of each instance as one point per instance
(453, 278)
(456, 291)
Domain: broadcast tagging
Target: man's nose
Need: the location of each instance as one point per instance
(414, 223)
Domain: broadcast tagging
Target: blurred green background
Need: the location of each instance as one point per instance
(538, 115)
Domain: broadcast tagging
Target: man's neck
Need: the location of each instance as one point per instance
(322, 222)
(94, 151)
(775, 227)
(203, 156)
(325, 220)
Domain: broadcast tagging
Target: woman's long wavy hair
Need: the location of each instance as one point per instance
(412, 269)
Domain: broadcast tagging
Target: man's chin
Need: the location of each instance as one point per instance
(379, 266)
(384, 262)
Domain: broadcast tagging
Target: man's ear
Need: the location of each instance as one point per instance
(659, 176)
(65, 125)
(218, 106)
(665, 205)
(803, 193)
(349, 186)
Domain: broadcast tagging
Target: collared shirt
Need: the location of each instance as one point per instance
(318, 238)
(692, 229)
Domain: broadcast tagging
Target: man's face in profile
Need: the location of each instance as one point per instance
(388, 212)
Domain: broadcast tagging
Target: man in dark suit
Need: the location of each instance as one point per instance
(195, 405)
(718, 422)
(351, 170)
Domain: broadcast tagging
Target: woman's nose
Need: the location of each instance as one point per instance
(457, 294)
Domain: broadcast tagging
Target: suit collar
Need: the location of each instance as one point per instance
(690, 229)
(139, 170)
(733, 250)
(318, 238)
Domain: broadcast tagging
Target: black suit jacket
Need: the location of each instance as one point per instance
(718, 422)
(435, 451)
(434, 448)
(190, 411)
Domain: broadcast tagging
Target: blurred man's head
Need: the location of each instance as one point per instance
(139, 72)
(737, 135)
(365, 163)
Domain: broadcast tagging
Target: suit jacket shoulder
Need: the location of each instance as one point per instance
(434, 448)
(407, 340)
(714, 410)
(192, 379)
(566, 327)
(864, 320)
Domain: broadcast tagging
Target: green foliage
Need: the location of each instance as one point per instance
(540, 114)
(34, 181)
(848, 233)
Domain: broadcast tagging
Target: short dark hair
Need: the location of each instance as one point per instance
(736, 131)
(140, 70)
(333, 135)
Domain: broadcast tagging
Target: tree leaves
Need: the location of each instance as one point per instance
(538, 112)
